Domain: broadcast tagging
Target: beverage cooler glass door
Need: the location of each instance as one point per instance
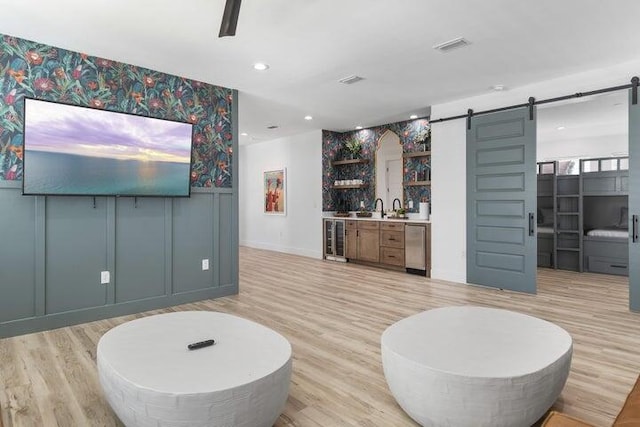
(328, 238)
(338, 238)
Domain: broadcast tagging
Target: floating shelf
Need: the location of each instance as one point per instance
(568, 231)
(568, 213)
(568, 195)
(569, 249)
(416, 154)
(349, 162)
(416, 183)
(346, 187)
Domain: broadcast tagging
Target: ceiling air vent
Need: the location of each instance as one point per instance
(272, 127)
(451, 44)
(351, 80)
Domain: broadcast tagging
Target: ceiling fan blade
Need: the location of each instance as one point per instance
(230, 18)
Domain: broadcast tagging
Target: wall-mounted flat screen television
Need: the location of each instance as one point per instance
(79, 151)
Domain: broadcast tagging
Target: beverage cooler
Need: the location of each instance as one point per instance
(334, 239)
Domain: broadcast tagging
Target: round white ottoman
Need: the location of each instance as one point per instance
(150, 378)
(474, 366)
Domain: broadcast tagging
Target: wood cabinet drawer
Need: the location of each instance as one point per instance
(619, 266)
(392, 256)
(351, 224)
(393, 239)
(398, 226)
(368, 225)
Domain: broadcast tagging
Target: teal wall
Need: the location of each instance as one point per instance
(52, 249)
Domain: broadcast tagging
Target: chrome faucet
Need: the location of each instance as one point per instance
(375, 205)
(394, 204)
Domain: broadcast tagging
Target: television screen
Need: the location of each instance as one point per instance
(72, 150)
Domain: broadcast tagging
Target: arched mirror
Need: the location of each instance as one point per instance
(389, 169)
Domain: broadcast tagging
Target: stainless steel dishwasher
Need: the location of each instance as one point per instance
(415, 255)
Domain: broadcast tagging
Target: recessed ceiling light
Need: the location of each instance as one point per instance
(413, 116)
(244, 134)
(308, 118)
(260, 66)
(498, 88)
(358, 127)
(561, 128)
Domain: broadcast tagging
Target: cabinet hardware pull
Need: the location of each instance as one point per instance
(531, 224)
(618, 266)
(634, 220)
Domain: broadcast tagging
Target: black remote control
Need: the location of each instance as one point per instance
(201, 344)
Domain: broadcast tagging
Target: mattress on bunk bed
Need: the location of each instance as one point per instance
(606, 250)
(613, 232)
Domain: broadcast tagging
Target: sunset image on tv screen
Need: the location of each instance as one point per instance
(70, 150)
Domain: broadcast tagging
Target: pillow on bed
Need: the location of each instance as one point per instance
(624, 217)
(547, 216)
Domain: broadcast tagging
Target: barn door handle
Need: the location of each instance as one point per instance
(634, 228)
(531, 224)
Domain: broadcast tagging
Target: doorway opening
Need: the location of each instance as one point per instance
(583, 186)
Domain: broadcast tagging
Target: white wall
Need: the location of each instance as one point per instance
(599, 146)
(300, 231)
(449, 158)
(448, 201)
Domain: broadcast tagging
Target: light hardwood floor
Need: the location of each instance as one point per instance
(333, 314)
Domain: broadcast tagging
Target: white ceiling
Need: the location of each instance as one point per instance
(310, 44)
(584, 118)
(594, 126)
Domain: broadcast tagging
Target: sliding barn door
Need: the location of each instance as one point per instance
(501, 201)
(634, 204)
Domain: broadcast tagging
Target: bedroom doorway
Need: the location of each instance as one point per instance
(583, 185)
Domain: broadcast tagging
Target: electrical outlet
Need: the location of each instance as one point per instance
(105, 277)
(205, 264)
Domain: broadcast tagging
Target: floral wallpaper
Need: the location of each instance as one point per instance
(409, 132)
(39, 71)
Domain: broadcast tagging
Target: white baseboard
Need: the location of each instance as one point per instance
(279, 248)
(449, 275)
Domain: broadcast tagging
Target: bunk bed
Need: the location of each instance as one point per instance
(545, 213)
(604, 186)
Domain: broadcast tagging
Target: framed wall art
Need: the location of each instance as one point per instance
(275, 192)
